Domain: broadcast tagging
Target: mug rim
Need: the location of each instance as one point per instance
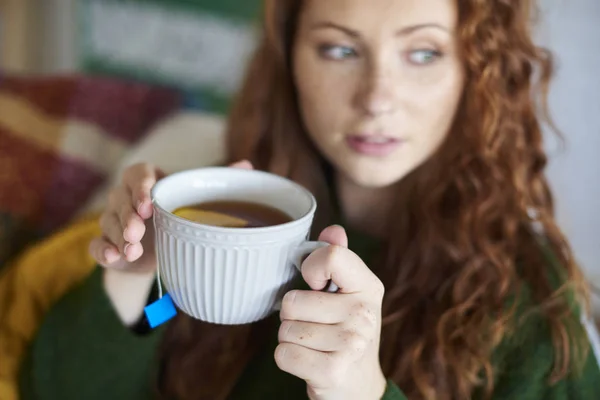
(229, 230)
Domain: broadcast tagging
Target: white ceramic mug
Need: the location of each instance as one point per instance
(230, 275)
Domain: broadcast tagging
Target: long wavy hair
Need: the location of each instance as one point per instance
(467, 234)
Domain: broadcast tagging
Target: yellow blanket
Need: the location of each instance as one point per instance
(31, 286)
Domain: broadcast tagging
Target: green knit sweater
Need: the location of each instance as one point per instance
(83, 351)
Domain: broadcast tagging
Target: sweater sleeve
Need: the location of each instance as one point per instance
(91, 352)
(525, 375)
(526, 360)
(526, 364)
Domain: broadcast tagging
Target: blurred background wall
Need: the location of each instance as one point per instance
(571, 29)
(168, 41)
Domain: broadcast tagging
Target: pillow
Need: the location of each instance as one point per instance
(60, 138)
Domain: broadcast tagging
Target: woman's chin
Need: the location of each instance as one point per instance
(375, 177)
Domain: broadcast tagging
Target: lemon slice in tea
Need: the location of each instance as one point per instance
(210, 218)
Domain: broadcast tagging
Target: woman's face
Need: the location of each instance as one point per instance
(378, 83)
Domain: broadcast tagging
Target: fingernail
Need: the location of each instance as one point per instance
(139, 206)
(110, 256)
(282, 351)
(289, 297)
(126, 247)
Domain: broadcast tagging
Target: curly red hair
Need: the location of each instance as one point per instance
(462, 243)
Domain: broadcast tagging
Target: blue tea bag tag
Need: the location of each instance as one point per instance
(160, 311)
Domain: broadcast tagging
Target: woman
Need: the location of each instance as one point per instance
(414, 124)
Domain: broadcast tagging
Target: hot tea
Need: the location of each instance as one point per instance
(233, 214)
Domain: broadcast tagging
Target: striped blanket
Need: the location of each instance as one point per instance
(60, 138)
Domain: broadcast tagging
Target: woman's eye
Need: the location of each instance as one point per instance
(337, 52)
(423, 57)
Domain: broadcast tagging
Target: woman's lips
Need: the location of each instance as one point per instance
(375, 146)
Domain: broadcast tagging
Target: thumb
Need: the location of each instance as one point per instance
(336, 264)
(335, 235)
(243, 164)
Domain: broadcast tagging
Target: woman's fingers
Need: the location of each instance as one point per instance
(139, 179)
(104, 252)
(243, 164)
(112, 230)
(133, 225)
(123, 223)
(320, 337)
(313, 306)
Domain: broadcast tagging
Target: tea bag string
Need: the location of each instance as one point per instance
(158, 282)
(161, 310)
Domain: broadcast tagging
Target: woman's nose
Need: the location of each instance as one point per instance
(376, 94)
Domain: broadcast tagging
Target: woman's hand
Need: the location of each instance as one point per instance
(127, 241)
(331, 340)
